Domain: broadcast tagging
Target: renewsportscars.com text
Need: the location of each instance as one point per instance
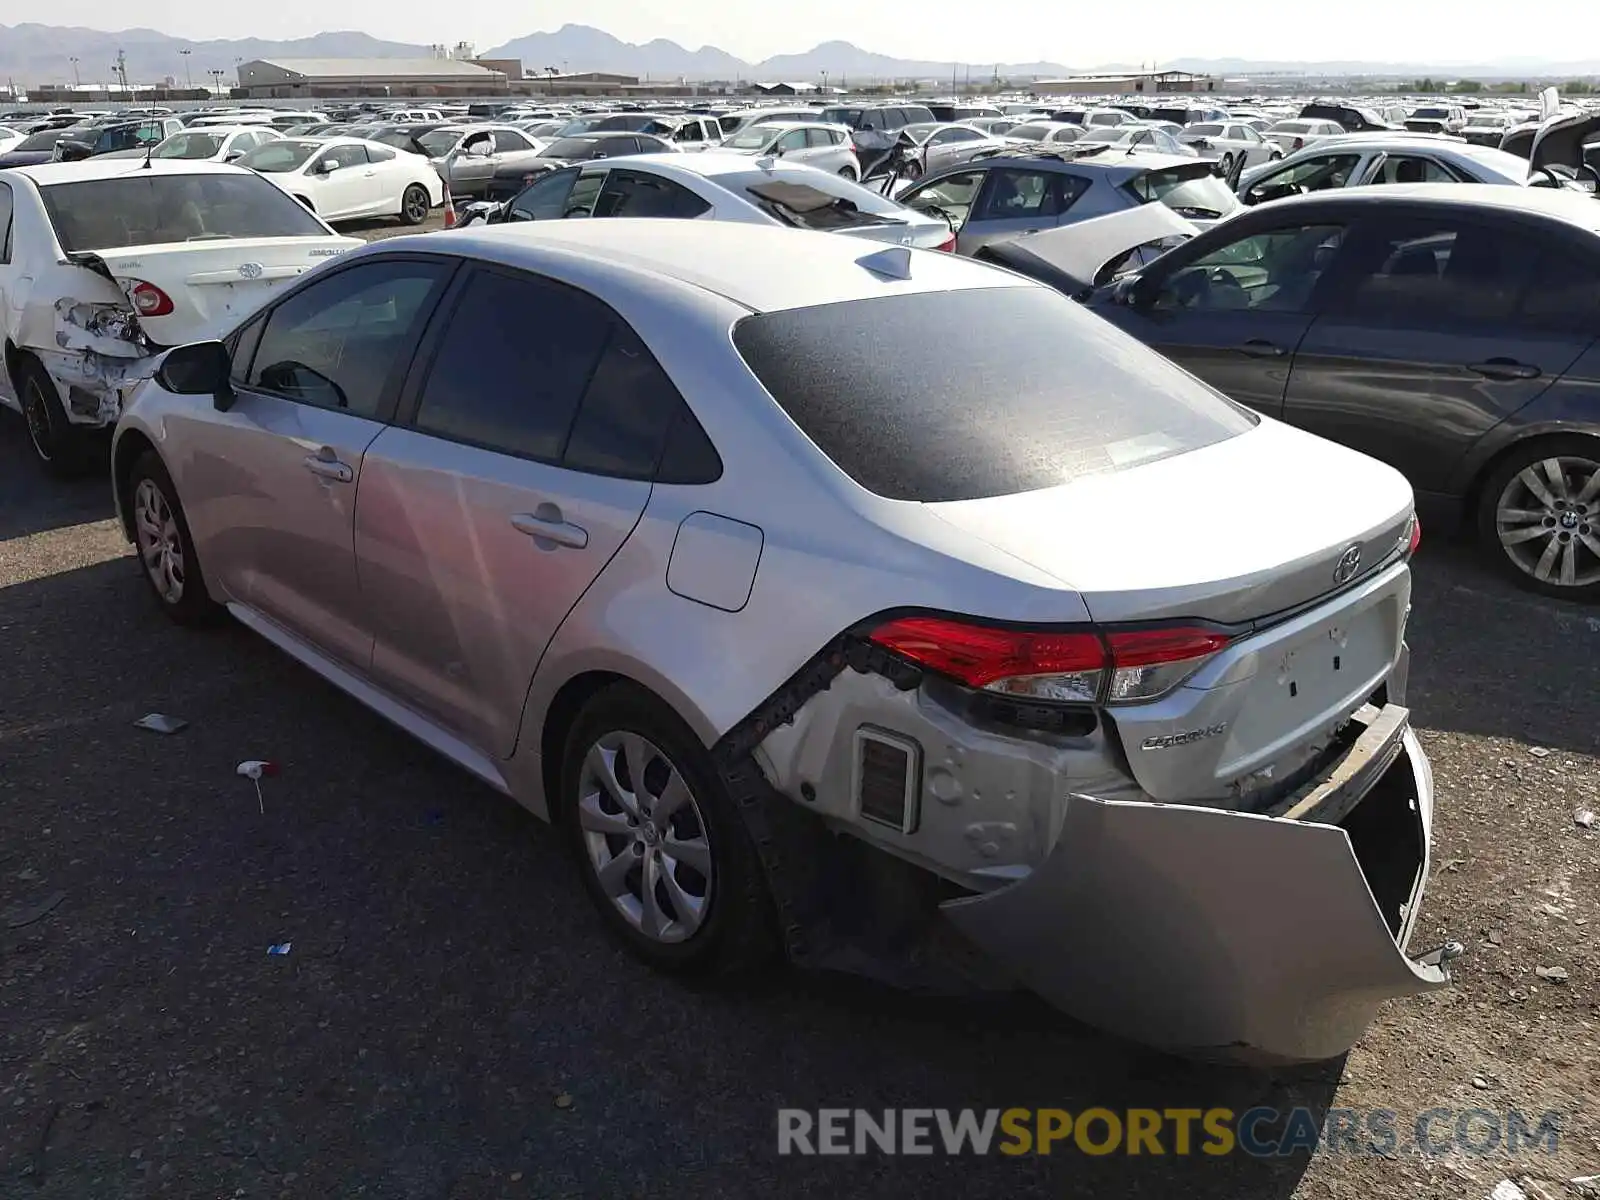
(1259, 1132)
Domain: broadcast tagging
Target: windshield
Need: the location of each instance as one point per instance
(1431, 112)
(1190, 191)
(570, 147)
(41, 141)
(1032, 133)
(1291, 127)
(822, 201)
(441, 141)
(1008, 407)
(753, 137)
(146, 209)
(282, 155)
(189, 145)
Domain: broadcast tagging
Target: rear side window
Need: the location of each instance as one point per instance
(638, 194)
(513, 365)
(1036, 393)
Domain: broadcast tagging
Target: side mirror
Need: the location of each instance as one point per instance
(1132, 291)
(198, 369)
(327, 166)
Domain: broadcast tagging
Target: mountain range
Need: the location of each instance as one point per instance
(36, 54)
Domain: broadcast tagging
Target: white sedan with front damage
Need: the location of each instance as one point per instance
(342, 179)
(815, 632)
(113, 261)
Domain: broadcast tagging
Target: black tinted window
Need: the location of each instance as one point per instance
(627, 411)
(545, 199)
(343, 342)
(1439, 272)
(1036, 392)
(513, 365)
(1563, 296)
(636, 194)
(5, 222)
(144, 208)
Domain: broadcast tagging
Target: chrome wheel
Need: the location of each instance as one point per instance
(646, 838)
(160, 545)
(1548, 521)
(36, 411)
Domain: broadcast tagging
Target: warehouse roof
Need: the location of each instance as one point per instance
(371, 68)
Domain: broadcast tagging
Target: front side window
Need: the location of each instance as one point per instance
(513, 365)
(950, 197)
(508, 141)
(1313, 174)
(795, 139)
(346, 156)
(342, 342)
(1273, 271)
(1406, 168)
(585, 194)
(544, 199)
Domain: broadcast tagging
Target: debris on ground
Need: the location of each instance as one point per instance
(1479, 1082)
(255, 770)
(1539, 751)
(1506, 1190)
(563, 1101)
(1585, 818)
(280, 948)
(161, 723)
(1553, 974)
(27, 914)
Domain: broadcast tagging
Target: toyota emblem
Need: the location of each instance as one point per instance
(1349, 564)
(250, 270)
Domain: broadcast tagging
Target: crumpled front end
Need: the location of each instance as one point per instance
(100, 355)
(1220, 933)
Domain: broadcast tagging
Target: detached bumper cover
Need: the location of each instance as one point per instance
(1211, 932)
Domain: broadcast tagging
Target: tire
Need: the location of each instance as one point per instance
(63, 450)
(1535, 521)
(847, 173)
(163, 542)
(414, 205)
(717, 921)
(1227, 166)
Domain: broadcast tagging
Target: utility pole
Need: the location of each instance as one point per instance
(77, 80)
(121, 71)
(188, 78)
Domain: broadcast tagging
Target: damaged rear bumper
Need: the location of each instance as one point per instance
(1224, 934)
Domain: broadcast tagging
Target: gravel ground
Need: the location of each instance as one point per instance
(451, 1021)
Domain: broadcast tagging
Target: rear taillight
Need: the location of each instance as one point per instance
(948, 245)
(149, 300)
(1413, 535)
(1074, 666)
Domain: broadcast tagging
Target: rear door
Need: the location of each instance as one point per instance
(487, 514)
(1437, 329)
(1234, 310)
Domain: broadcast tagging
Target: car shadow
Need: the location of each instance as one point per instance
(449, 1010)
(33, 502)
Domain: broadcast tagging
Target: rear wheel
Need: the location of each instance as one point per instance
(61, 448)
(661, 846)
(847, 173)
(414, 205)
(1227, 166)
(1539, 517)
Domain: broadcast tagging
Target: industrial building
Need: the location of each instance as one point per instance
(297, 78)
(1126, 84)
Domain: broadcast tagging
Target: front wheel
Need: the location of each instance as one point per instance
(847, 173)
(661, 846)
(1227, 166)
(414, 205)
(161, 535)
(1539, 517)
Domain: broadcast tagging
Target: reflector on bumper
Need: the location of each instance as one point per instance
(1219, 933)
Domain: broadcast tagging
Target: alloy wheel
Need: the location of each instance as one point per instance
(160, 545)
(646, 838)
(416, 207)
(1548, 521)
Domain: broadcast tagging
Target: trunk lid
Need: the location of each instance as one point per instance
(1245, 527)
(214, 284)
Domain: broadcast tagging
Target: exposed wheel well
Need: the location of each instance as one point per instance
(132, 445)
(306, 200)
(558, 719)
(1473, 495)
(12, 359)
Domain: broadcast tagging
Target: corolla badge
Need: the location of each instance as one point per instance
(250, 270)
(1349, 564)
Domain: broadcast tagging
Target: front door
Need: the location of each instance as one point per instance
(1016, 201)
(1438, 329)
(1234, 312)
(475, 535)
(280, 474)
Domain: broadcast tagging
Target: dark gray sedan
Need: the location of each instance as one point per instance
(1452, 331)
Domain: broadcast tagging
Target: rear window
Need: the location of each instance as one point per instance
(820, 201)
(1036, 392)
(148, 210)
(842, 116)
(569, 147)
(1192, 191)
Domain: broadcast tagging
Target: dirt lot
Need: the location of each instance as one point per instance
(450, 1021)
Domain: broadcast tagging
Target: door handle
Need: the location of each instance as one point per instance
(551, 529)
(1504, 368)
(1260, 348)
(325, 463)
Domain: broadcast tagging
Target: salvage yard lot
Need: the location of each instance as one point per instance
(451, 1022)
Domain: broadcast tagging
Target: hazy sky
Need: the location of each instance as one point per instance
(1029, 30)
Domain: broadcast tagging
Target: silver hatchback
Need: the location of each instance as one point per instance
(813, 632)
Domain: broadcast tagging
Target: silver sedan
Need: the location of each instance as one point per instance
(687, 536)
(945, 145)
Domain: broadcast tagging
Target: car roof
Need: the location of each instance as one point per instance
(1577, 209)
(1112, 159)
(709, 164)
(45, 174)
(764, 268)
